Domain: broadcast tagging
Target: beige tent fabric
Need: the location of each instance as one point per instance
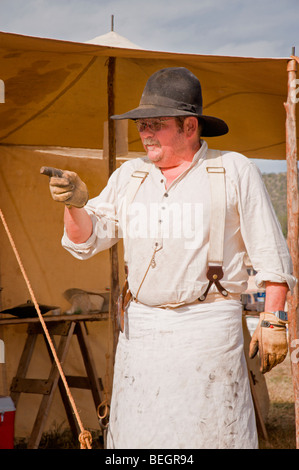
(56, 93)
(36, 224)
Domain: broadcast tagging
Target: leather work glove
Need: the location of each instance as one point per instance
(270, 339)
(66, 186)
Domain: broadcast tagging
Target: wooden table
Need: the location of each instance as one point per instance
(64, 326)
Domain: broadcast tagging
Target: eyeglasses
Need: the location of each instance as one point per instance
(154, 125)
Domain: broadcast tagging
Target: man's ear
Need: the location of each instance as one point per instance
(190, 126)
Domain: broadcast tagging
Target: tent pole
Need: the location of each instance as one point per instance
(111, 128)
(114, 276)
(293, 212)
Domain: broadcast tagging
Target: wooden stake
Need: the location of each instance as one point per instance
(293, 212)
(114, 276)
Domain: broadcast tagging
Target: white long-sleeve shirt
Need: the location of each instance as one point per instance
(167, 230)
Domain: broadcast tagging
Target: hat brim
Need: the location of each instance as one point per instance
(212, 126)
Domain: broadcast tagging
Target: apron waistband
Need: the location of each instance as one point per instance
(212, 297)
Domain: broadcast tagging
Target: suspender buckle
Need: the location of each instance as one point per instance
(140, 174)
(215, 169)
(214, 274)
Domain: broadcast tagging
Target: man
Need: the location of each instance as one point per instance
(180, 377)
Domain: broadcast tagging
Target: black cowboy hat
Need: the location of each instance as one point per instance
(174, 91)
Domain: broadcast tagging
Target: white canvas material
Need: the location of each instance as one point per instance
(137, 178)
(181, 380)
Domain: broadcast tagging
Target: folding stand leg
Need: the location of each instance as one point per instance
(95, 385)
(47, 399)
(23, 366)
(69, 410)
(259, 418)
(47, 387)
(91, 382)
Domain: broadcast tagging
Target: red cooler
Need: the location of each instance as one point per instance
(7, 423)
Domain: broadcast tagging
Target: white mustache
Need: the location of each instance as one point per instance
(150, 141)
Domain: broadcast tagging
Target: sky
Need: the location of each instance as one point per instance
(258, 28)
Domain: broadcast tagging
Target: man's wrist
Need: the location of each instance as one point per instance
(281, 315)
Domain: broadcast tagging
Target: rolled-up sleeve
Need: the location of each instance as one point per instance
(261, 231)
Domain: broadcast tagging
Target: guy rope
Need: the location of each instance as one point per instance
(85, 438)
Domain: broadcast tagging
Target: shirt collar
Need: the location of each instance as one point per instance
(198, 157)
(201, 153)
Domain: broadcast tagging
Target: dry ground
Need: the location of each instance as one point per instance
(280, 424)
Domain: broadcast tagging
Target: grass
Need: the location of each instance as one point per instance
(61, 437)
(280, 423)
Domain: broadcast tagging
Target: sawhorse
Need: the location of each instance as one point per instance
(47, 387)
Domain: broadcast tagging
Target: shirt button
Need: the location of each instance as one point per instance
(166, 195)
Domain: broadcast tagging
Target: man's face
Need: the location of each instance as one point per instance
(163, 141)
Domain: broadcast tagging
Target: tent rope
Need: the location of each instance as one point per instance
(85, 437)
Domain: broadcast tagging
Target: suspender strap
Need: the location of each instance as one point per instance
(217, 221)
(137, 178)
(216, 174)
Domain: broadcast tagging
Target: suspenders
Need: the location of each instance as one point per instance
(217, 222)
(125, 296)
(216, 174)
(137, 178)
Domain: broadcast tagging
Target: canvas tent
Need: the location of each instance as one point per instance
(113, 39)
(57, 97)
(56, 94)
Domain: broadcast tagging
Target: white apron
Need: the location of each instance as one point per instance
(181, 381)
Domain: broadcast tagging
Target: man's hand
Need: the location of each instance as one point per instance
(66, 187)
(270, 340)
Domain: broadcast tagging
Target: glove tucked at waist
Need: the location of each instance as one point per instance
(66, 187)
(270, 339)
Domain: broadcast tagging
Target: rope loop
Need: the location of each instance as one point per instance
(103, 414)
